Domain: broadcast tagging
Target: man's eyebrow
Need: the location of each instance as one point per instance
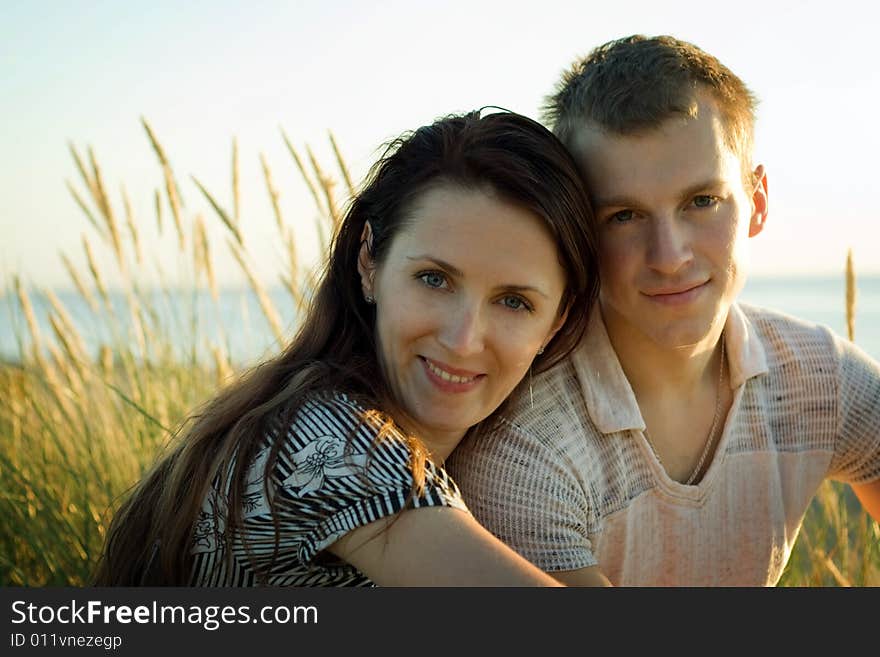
(712, 183)
(623, 200)
(614, 201)
(455, 271)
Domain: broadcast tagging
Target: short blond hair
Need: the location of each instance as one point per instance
(636, 83)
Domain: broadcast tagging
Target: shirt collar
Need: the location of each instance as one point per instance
(608, 394)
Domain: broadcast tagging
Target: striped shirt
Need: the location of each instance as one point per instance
(570, 481)
(331, 476)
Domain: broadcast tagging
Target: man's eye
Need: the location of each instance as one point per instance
(704, 201)
(621, 217)
(433, 279)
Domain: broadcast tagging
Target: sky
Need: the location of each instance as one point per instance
(203, 73)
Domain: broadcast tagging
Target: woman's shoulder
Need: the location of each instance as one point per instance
(335, 415)
(338, 428)
(340, 441)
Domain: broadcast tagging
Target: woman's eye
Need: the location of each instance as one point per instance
(704, 201)
(433, 279)
(515, 303)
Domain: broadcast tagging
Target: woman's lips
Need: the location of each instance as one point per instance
(450, 379)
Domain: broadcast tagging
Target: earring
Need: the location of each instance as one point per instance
(369, 299)
(541, 350)
(531, 394)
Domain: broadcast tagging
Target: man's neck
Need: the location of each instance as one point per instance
(682, 393)
(655, 370)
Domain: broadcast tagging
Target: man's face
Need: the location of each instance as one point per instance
(674, 219)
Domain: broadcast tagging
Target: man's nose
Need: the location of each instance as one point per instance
(669, 248)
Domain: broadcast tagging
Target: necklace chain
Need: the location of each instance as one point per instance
(710, 438)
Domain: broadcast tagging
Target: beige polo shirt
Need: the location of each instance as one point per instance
(570, 481)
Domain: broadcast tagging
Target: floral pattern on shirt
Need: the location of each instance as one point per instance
(322, 459)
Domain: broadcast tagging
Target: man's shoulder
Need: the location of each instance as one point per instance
(781, 333)
(764, 316)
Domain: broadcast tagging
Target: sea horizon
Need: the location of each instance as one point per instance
(237, 324)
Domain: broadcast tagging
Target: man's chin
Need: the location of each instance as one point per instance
(685, 334)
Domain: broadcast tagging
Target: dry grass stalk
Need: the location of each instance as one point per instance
(303, 172)
(236, 192)
(327, 184)
(198, 260)
(273, 193)
(96, 273)
(82, 205)
(203, 256)
(292, 256)
(266, 305)
(43, 369)
(137, 322)
(73, 356)
(105, 359)
(72, 336)
(158, 201)
(78, 283)
(103, 203)
(13, 383)
(850, 296)
(163, 159)
(292, 281)
(224, 216)
(87, 179)
(175, 198)
(174, 201)
(62, 365)
(342, 166)
(222, 366)
(832, 568)
(132, 227)
(28, 310)
(65, 402)
(160, 152)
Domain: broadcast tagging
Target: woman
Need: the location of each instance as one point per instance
(467, 261)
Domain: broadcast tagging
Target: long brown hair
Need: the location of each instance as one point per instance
(335, 349)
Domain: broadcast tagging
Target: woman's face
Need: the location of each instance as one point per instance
(468, 293)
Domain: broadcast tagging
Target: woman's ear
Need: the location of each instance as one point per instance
(558, 323)
(365, 264)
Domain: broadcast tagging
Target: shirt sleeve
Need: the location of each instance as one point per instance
(520, 488)
(336, 473)
(857, 446)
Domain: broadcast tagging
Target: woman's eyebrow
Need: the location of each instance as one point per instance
(452, 269)
(455, 271)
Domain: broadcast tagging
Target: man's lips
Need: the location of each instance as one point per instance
(674, 295)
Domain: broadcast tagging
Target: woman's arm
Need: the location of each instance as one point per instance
(435, 546)
(869, 496)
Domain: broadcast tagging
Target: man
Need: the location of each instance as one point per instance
(683, 441)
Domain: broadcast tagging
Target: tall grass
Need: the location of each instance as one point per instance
(79, 426)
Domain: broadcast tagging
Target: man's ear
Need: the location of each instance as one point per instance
(365, 264)
(759, 201)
